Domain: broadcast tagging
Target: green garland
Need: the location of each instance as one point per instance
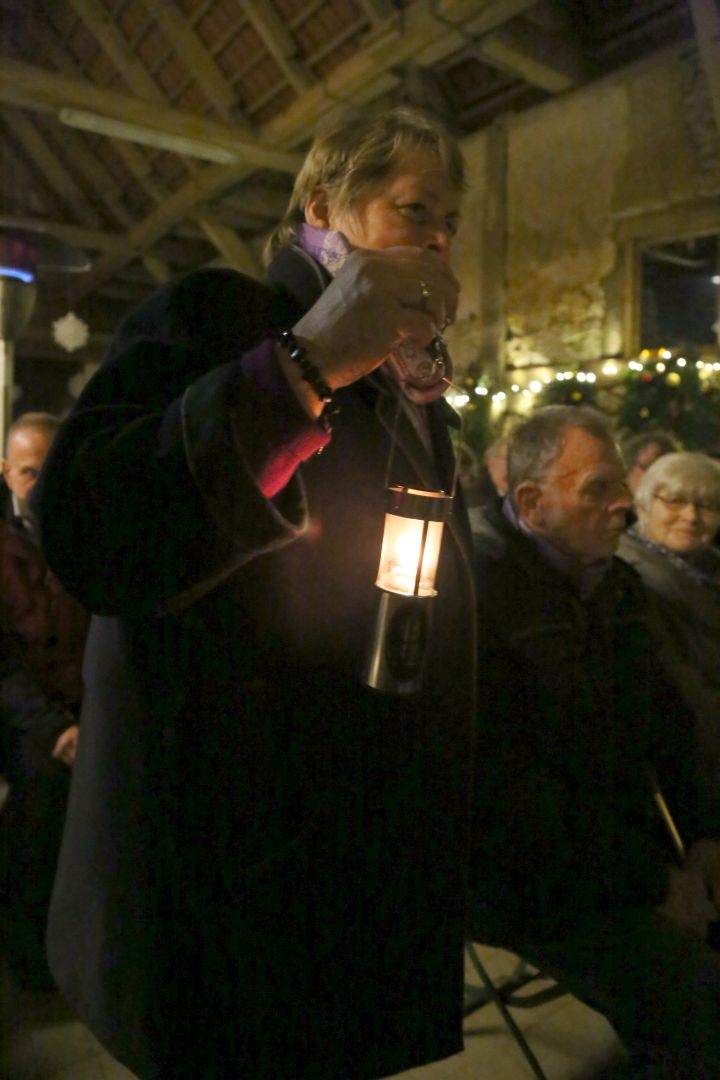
(675, 400)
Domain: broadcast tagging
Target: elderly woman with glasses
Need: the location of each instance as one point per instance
(671, 546)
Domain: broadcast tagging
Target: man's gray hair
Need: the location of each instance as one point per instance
(685, 475)
(535, 443)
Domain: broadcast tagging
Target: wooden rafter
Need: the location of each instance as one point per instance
(236, 253)
(548, 59)
(133, 158)
(50, 92)
(99, 22)
(378, 11)
(78, 235)
(278, 42)
(37, 149)
(206, 72)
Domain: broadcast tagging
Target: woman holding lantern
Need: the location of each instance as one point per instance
(266, 836)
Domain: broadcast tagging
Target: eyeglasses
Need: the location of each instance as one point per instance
(677, 504)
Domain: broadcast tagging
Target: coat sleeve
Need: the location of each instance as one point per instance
(154, 489)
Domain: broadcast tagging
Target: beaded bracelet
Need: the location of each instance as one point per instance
(309, 372)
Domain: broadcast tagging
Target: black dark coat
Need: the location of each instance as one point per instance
(264, 862)
(574, 712)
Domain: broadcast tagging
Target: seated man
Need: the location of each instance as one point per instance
(573, 867)
(42, 636)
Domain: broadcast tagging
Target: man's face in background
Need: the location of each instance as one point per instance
(26, 451)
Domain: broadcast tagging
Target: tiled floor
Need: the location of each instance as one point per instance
(41, 1040)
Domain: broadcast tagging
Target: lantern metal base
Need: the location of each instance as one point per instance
(396, 658)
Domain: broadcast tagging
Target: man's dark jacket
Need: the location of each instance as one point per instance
(573, 714)
(264, 862)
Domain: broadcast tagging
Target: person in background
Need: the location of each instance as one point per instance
(572, 868)
(27, 443)
(488, 481)
(257, 843)
(671, 547)
(641, 450)
(42, 635)
(495, 460)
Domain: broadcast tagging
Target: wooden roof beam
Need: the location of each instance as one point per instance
(48, 163)
(545, 58)
(277, 40)
(424, 37)
(378, 12)
(198, 60)
(77, 235)
(98, 21)
(47, 91)
(235, 252)
(261, 202)
(133, 158)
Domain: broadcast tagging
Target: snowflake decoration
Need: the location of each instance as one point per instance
(70, 333)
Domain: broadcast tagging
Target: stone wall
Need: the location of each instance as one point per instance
(609, 154)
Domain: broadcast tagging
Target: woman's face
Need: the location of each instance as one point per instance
(681, 524)
(415, 205)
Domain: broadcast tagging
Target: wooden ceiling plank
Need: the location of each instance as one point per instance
(109, 194)
(44, 200)
(99, 22)
(358, 78)
(233, 249)
(78, 235)
(268, 203)
(543, 58)
(45, 159)
(464, 25)
(213, 180)
(274, 34)
(136, 163)
(42, 88)
(104, 186)
(378, 11)
(198, 60)
(157, 268)
(706, 19)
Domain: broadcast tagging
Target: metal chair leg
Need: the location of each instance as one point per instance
(495, 995)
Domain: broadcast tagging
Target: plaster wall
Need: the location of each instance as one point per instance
(629, 145)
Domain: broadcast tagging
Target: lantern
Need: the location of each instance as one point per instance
(406, 579)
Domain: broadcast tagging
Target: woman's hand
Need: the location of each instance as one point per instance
(376, 299)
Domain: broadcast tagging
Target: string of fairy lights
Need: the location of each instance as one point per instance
(522, 393)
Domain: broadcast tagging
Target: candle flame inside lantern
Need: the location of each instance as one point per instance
(411, 544)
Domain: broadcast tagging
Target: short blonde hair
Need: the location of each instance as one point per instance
(687, 474)
(356, 151)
